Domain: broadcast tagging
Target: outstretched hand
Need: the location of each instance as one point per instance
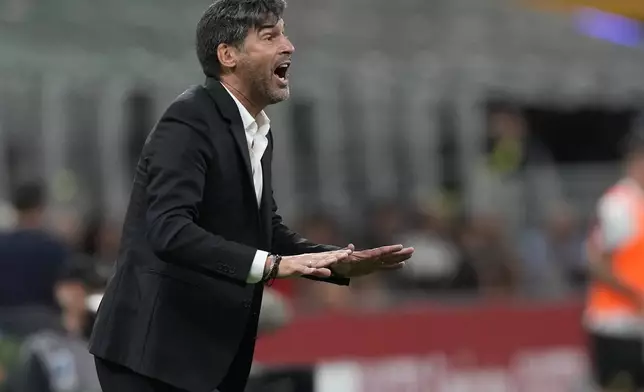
(315, 264)
(365, 262)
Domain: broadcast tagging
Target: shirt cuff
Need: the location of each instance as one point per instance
(257, 268)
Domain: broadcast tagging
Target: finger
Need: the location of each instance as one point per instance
(402, 255)
(333, 252)
(320, 272)
(405, 251)
(344, 254)
(391, 248)
(385, 250)
(338, 254)
(351, 247)
(395, 258)
(393, 267)
(325, 262)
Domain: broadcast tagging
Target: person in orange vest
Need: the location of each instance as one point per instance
(614, 313)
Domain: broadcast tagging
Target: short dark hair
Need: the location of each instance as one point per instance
(228, 22)
(81, 268)
(29, 196)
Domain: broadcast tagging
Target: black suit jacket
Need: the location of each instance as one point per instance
(178, 308)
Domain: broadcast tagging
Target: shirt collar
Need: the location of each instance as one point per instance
(262, 120)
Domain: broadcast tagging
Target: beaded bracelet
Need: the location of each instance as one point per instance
(274, 270)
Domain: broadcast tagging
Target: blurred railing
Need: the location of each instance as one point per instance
(496, 346)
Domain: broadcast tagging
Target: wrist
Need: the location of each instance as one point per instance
(268, 264)
(271, 269)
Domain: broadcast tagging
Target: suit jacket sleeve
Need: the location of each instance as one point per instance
(177, 155)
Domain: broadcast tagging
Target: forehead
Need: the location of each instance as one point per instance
(269, 23)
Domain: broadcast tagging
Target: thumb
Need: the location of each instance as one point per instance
(351, 247)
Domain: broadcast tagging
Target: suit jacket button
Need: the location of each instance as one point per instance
(247, 304)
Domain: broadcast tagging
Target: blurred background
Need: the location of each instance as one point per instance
(481, 132)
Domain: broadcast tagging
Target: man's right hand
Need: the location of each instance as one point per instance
(314, 264)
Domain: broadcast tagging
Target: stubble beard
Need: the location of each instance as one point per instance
(265, 89)
(278, 95)
(262, 86)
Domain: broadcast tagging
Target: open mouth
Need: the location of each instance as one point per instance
(281, 72)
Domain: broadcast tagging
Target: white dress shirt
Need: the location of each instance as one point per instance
(616, 214)
(256, 132)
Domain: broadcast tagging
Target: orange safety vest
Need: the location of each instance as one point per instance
(627, 263)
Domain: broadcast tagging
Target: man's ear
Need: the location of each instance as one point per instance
(227, 55)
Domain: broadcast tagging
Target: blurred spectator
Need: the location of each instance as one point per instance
(66, 225)
(487, 250)
(437, 266)
(515, 166)
(553, 256)
(56, 359)
(29, 262)
(29, 257)
(100, 240)
(506, 143)
(72, 295)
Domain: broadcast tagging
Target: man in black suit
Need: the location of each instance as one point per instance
(202, 231)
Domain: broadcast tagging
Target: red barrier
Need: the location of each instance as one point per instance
(489, 334)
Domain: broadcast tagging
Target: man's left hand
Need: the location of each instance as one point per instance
(365, 262)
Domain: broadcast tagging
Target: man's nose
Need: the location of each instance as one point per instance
(288, 47)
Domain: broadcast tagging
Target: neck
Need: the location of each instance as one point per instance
(242, 94)
(74, 323)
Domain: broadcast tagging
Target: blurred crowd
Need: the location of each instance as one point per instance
(48, 284)
(52, 266)
(521, 239)
(456, 258)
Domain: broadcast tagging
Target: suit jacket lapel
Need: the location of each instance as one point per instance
(266, 205)
(229, 110)
(239, 134)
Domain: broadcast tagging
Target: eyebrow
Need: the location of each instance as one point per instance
(267, 26)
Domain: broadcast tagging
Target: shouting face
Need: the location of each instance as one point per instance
(262, 63)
